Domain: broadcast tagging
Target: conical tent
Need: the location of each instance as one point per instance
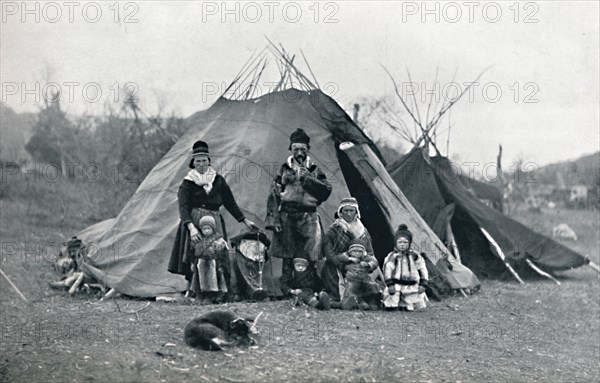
(248, 140)
(432, 186)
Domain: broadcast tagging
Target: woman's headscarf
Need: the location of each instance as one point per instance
(355, 227)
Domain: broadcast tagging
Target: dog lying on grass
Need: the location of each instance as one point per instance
(213, 330)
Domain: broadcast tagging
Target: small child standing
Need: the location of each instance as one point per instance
(361, 290)
(210, 265)
(405, 274)
(303, 283)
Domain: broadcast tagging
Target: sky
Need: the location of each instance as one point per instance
(539, 98)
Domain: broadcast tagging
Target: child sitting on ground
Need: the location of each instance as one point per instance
(405, 275)
(209, 282)
(303, 283)
(361, 290)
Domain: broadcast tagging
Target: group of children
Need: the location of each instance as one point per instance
(405, 275)
(404, 272)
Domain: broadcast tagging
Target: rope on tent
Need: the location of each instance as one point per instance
(500, 254)
(541, 272)
(14, 287)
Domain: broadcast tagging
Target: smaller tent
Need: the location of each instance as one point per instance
(485, 240)
(488, 242)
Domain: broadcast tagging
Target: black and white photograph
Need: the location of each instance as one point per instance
(299, 191)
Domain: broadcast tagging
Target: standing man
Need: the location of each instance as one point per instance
(299, 187)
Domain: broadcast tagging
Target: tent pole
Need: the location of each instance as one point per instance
(239, 84)
(250, 61)
(310, 70)
(514, 273)
(594, 266)
(14, 287)
(109, 294)
(500, 254)
(283, 55)
(258, 78)
(452, 241)
(541, 272)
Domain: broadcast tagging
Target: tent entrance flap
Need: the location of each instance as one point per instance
(397, 208)
(372, 214)
(475, 252)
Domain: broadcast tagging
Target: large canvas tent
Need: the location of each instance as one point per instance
(440, 195)
(248, 138)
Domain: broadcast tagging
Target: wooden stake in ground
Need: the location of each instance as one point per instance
(19, 293)
(542, 272)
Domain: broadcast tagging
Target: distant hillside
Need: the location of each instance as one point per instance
(15, 130)
(584, 170)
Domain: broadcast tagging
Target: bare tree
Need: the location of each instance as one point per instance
(428, 127)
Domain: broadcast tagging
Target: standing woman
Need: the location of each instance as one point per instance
(202, 192)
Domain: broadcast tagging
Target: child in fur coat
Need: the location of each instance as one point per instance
(304, 285)
(405, 275)
(361, 290)
(210, 266)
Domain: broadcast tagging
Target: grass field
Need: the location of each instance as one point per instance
(506, 332)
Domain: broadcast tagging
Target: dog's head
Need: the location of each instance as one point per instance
(64, 265)
(242, 329)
